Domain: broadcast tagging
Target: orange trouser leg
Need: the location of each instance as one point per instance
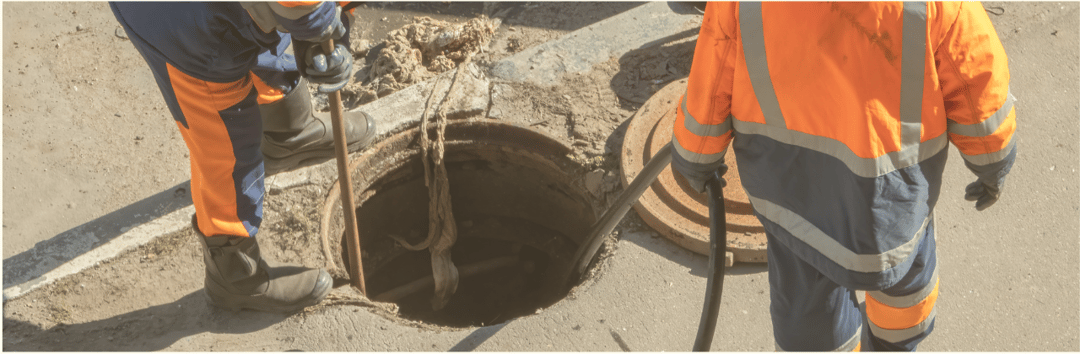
(902, 316)
(223, 133)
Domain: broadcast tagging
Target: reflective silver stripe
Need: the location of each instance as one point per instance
(753, 40)
(693, 157)
(990, 157)
(862, 167)
(699, 129)
(911, 90)
(899, 335)
(293, 13)
(848, 346)
(913, 72)
(852, 342)
(988, 126)
(813, 236)
(907, 300)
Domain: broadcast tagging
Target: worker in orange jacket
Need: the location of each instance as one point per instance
(840, 115)
(240, 100)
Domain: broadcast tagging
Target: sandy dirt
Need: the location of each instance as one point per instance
(112, 108)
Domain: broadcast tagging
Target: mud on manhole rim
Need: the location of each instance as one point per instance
(521, 209)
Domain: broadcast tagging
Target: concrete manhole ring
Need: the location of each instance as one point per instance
(670, 205)
(521, 213)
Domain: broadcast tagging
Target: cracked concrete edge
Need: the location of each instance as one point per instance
(579, 50)
(405, 108)
(137, 236)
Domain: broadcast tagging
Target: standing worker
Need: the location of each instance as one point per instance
(840, 115)
(241, 101)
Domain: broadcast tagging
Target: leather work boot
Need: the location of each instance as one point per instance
(295, 135)
(238, 278)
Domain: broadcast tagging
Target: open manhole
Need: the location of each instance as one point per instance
(520, 215)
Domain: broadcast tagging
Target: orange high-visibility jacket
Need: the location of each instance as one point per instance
(840, 115)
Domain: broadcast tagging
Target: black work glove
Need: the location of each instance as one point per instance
(331, 71)
(986, 190)
(984, 194)
(698, 181)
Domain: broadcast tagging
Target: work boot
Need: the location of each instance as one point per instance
(238, 278)
(294, 134)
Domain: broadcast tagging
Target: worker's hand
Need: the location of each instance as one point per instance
(336, 29)
(986, 190)
(330, 70)
(984, 194)
(698, 182)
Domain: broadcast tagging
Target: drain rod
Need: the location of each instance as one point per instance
(347, 203)
(611, 217)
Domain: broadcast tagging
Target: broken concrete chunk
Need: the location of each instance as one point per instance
(592, 181)
(470, 94)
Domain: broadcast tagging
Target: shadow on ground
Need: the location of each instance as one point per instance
(49, 254)
(150, 329)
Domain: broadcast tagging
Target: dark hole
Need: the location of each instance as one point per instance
(508, 203)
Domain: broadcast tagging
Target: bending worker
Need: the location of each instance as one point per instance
(242, 104)
(840, 115)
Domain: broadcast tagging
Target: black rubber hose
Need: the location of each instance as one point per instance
(717, 249)
(612, 216)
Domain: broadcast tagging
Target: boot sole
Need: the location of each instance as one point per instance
(323, 285)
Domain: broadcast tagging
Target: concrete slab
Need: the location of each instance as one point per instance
(578, 51)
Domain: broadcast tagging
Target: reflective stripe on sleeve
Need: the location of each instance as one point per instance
(806, 232)
(991, 157)
(987, 126)
(696, 158)
(714, 130)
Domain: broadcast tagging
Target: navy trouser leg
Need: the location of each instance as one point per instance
(809, 311)
(202, 56)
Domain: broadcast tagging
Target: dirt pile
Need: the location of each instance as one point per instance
(414, 53)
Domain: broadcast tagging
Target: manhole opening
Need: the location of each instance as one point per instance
(520, 217)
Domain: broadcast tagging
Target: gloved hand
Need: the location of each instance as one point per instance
(331, 71)
(986, 190)
(698, 182)
(335, 30)
(983, 193)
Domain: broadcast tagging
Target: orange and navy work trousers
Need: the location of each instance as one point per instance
(812, 312)
(214, 67)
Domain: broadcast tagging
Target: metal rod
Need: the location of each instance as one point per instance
(612, 216)
(348, 204)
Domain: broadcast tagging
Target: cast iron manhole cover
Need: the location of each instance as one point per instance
(670, 205)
